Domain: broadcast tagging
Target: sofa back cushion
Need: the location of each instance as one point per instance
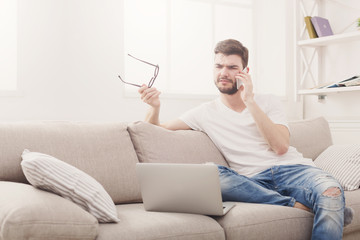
(310, 137)
(158, 145)
(102, 150)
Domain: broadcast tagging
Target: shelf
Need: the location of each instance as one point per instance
(326, 91)
(310, 53)
(324, 41)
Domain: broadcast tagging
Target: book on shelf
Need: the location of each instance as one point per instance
(350, 82)
(322, 26)
(310, 27)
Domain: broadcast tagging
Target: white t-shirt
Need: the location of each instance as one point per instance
(238, 138)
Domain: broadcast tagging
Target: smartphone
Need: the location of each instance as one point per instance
(239, 83)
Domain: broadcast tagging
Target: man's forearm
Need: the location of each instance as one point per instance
(276, 136)
(152, 116)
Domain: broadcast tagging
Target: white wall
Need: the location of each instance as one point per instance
(69, 55)
(70, 52)
(274, 52)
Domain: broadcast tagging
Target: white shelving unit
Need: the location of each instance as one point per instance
(325, 41)
(328, 90)
(304, 61)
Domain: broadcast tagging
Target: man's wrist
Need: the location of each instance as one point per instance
(155, 109)
(249, 101)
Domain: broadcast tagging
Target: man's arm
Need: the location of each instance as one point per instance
(276, 135)
(151, 97)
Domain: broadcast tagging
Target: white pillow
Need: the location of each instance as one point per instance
(343, 162)
(48, 173)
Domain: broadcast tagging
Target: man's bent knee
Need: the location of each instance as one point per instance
(332, 192)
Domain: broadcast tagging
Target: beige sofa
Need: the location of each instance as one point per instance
(108, 152)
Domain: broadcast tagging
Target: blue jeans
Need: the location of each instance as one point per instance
(285, 185)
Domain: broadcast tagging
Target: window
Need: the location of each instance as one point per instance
(180, 36)
(8, 45)
(273, 46)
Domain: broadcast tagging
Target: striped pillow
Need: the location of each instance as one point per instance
(50, 174)
(343, 162)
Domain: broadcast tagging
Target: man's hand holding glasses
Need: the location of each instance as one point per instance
(148, 94)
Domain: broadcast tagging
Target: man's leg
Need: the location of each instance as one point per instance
(317, 190)
(235, 187)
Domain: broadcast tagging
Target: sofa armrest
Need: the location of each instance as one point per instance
(29, 213)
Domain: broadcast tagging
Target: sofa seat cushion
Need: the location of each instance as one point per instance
(136, 223)
(102, 150)
(263, 221)
(158, 145)
(29, 213)
(352, 199)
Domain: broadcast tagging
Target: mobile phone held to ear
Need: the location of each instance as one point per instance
(239, 83)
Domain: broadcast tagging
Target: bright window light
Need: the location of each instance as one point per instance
(8, 45)
(180, 36)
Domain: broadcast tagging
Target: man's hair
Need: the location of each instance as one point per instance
(233, 47)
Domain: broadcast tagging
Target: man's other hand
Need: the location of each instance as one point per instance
(150, 96)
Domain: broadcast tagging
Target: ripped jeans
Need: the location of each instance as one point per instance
(287, 184)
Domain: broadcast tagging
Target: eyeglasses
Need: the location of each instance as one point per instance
(152, 80)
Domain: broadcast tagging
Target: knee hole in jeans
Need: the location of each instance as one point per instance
(332, 192)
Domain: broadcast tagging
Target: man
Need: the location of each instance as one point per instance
(251, 132)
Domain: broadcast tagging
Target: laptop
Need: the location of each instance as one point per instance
(183, 188)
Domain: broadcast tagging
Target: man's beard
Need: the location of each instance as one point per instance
(229, 91)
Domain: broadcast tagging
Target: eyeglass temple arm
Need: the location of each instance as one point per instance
(133, 84)
(143, 61)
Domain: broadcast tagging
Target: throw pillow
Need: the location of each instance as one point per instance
(48, 173)
(343, 162)
(30, 213)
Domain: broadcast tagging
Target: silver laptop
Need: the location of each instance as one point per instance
(185, 188)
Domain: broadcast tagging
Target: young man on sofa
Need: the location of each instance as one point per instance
(251, 132)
